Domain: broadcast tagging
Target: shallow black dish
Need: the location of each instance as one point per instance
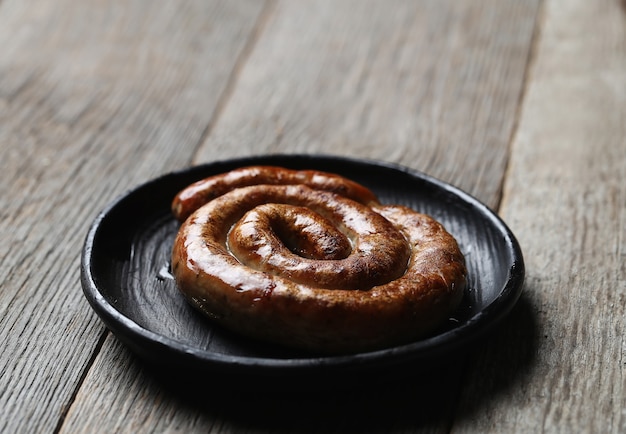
(126, 280)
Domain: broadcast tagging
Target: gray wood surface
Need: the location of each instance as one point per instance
(565, 198)
(521, 104)
(305, 77)
(95, 97)
(426, 84)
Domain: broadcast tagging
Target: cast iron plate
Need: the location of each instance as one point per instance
(126, 279)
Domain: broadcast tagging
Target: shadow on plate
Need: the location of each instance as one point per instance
(430, 394)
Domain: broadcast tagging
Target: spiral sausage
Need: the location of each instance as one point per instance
(315, 270)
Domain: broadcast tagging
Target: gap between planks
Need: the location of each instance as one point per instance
(242, 59)
(531, 59)
(96, 352)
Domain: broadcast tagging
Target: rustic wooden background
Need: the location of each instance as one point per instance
(520, 103)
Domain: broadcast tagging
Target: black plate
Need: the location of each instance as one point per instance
(126, 279)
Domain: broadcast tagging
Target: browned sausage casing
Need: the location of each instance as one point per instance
(315, 270)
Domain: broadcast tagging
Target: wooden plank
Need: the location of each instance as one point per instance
(422, 83)
(95, 97)
(558, 366)
(426, 84)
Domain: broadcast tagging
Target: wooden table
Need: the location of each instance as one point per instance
(520, 103)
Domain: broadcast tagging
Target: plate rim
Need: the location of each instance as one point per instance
(137, 336)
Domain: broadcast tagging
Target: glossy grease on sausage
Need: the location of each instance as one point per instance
(359, 278)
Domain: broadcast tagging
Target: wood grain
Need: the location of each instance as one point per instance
(95, 97)
(427, 84)
(422, 83)
(561, 361)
